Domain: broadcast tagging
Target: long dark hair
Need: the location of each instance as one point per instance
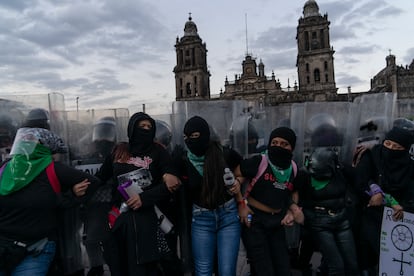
(213, 184)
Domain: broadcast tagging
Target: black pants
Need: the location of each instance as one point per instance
(332, 232)
(266, 245)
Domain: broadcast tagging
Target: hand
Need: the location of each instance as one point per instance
(134, 202)
(235, 189)
(172, 182)
(376, 200)
(228, 177)
(398, 212)
(289, 219)
(297, 213)
(79, 189)
(244, 212)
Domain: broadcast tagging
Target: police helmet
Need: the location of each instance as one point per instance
(322, 163)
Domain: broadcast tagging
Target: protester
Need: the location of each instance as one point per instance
(322, 195)
(268, 205)
(31, 185)
(215, 229)
(138, 242)
(384, 178)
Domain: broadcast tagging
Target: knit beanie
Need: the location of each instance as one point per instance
(401, 136)
(285, 133)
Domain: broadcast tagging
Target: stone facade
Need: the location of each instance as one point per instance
(394, 78)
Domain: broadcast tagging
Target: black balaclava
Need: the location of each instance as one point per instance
(197, 146)
(397, 163)
(279, 156)
(140, 140)
(400, 135)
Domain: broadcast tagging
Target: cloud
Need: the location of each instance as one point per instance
(279, 38)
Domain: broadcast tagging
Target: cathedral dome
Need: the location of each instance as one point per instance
(190, 28)
(310, 8)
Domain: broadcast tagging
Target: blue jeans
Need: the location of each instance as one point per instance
(214, 231)
(35, 265)
(334, 237)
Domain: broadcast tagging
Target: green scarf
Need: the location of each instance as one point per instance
(197, 161)
(22, 169)
(319, 184)
(282, 176)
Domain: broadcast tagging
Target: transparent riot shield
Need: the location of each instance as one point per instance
(376, 116)
(11, 117)
(92, 134)
(250, 131)
(218, 114)
(405, 109)
(324, 124)
(52, 103)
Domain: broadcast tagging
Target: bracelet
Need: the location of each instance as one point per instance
(242, 202)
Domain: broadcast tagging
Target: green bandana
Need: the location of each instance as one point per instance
(22, 169)
(318, 184)
(197, 161)
(282, 176)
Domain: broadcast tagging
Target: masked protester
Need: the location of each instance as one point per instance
(210, 186)
(322, 194)
(269, 204)
(137, 241)
(385, 178)
(31, 189)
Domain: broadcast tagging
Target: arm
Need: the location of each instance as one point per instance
(81, 184)
(244, 211)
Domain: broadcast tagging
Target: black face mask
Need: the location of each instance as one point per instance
(141, 140)
(390, 155)
(197, 146)
(280, 157)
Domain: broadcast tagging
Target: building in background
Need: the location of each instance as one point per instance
(315, 68)
(192, 78)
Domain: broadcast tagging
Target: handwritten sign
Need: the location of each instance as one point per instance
(396, 248)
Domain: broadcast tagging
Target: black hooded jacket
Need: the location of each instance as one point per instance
(135, 231)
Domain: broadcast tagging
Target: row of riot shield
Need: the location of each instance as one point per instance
(14, 110)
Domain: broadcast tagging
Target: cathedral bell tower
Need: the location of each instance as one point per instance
(315, 55)
(192, 78)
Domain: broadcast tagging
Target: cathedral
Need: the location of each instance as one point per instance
(315, 69)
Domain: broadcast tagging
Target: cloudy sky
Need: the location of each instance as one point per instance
(121, 53)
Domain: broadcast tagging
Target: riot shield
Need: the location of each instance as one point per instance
(93, 133)
(250, 131)
(52, 103)
(324, 124)
(375, 119)
(218, 114)
(92, 136)
(405, 109)
(11, 118)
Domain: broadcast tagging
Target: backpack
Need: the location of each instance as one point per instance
(262, 168)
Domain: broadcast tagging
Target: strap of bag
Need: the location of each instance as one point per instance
(51, 175)
(260, 171)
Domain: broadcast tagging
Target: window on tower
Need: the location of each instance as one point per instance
(307, 67)
(325, 64)
(188, 88)
(317, 75)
